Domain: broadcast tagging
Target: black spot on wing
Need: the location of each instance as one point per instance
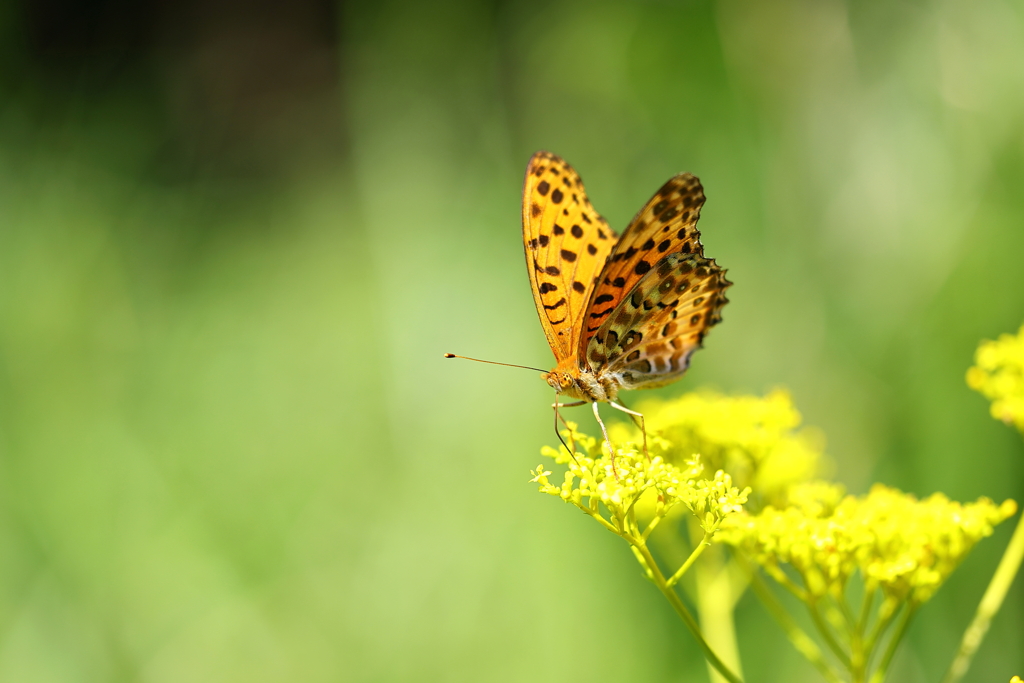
(557, 304)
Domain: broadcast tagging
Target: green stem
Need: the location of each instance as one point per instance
(787, 583)
(858, 657)
(652, 526)
(894, 642)
(826, 633)
(716, 592)
(697, 552)
(865, 609)
(844, 607)
(659, 580)
(887, 611)
(601, 520)
(803, 643)
(989, 605)
(858, 653)
(630, 519)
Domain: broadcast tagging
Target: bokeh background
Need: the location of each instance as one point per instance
(236, 238)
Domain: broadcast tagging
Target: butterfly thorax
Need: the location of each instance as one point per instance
(582, 384)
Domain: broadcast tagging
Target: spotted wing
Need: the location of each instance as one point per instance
(649, 337)
(566, 244)
(666, 225)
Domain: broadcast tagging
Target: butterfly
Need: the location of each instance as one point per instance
(618, 312)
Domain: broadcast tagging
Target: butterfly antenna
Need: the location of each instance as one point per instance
(508, 365)
(571, 451)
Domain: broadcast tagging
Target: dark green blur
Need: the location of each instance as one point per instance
(235, 242)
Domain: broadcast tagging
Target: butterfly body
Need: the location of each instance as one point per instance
(582, 384)
(618, 312)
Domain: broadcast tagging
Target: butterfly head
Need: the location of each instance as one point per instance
(562, 382)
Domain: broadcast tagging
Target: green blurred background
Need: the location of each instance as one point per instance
(235, 239)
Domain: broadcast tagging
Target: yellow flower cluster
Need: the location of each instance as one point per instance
(590, 481)
(758, 440)
(903, 546)
(998, 374)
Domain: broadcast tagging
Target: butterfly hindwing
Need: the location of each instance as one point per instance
(666, 225)
(649, 337)
(566, 243)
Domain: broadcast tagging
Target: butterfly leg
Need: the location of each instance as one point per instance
(556, 405)
(607, 441)
(638, 418)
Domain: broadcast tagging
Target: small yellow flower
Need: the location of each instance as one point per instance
(756, 439)
(998, 374)
(540, 476)
(903, 546)
(591, 483)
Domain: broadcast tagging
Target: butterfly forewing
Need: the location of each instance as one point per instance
(666, 225)
(566, 244)
(649, 337)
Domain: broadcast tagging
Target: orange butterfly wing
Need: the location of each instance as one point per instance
(666, 225)
(566, 243)
(657, 295)
(648, 339)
